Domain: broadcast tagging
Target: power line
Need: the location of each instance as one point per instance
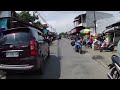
(44, 20)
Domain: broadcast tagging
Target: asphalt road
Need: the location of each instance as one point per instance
(65, 63)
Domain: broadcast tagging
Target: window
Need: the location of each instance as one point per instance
(35, 33)
(41, 38)
(13, 38)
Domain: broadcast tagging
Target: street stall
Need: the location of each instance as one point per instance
(85, 33)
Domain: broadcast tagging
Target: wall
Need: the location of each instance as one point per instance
(101, 24)
(99, 15)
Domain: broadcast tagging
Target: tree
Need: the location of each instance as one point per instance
(62, 33)
(27, 17)
(37, 24)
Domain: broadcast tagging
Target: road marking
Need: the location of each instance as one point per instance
(58, 50)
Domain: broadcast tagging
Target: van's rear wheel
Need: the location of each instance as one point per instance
(48, 53)
(41, 69)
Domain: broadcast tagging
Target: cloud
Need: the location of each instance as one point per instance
(61, 20)
(62, 24)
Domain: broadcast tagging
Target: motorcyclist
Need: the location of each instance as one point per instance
(87, 42)
(78, 42)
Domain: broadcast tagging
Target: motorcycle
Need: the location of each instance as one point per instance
(106, 46)
(78, 47)
(115, 68)
(73, 43)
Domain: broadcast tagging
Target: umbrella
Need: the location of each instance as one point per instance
(85, 32)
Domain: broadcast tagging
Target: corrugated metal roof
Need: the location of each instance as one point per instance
(114, 24)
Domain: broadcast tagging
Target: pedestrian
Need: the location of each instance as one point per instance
(91, 40)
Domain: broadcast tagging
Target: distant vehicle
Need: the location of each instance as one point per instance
(23, 49)
(59, 37)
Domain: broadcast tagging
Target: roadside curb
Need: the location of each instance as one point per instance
(105, 61)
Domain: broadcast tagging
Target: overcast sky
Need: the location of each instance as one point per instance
(62, 21)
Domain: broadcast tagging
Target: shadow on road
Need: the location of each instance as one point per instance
(84, 51)
(52, 71)
(97, 57)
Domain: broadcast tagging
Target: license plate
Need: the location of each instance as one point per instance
(12, 54)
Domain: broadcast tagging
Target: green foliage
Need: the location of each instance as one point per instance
(27, 17)
(62, 33)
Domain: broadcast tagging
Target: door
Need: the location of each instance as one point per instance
(42, 45)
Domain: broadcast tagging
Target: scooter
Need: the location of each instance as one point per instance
(106, 46)
(72, 42)
(78, 47)
(115, 68)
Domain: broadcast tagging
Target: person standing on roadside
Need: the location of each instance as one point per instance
(91, 40)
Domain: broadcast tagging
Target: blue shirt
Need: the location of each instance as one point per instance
(87, 41)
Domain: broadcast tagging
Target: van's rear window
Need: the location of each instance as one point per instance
(13, 37)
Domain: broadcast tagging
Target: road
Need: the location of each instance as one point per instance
(65, 63)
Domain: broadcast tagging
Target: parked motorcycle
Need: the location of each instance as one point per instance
(115, 68)
(106, 46)
(78, 47)
(73, 42)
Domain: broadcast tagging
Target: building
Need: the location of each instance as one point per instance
(87, 19)
(79, 24)
(103, 23)
(113, 32)
(102, 20)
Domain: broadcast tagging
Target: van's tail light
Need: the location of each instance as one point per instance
(32, 48)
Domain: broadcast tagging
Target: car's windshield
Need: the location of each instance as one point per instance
(12, 38)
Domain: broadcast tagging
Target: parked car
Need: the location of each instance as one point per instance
(23, 49)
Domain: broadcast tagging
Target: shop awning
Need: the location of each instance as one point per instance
(79, 25)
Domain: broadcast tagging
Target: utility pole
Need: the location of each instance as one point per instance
(44, 20)
(95, 21)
